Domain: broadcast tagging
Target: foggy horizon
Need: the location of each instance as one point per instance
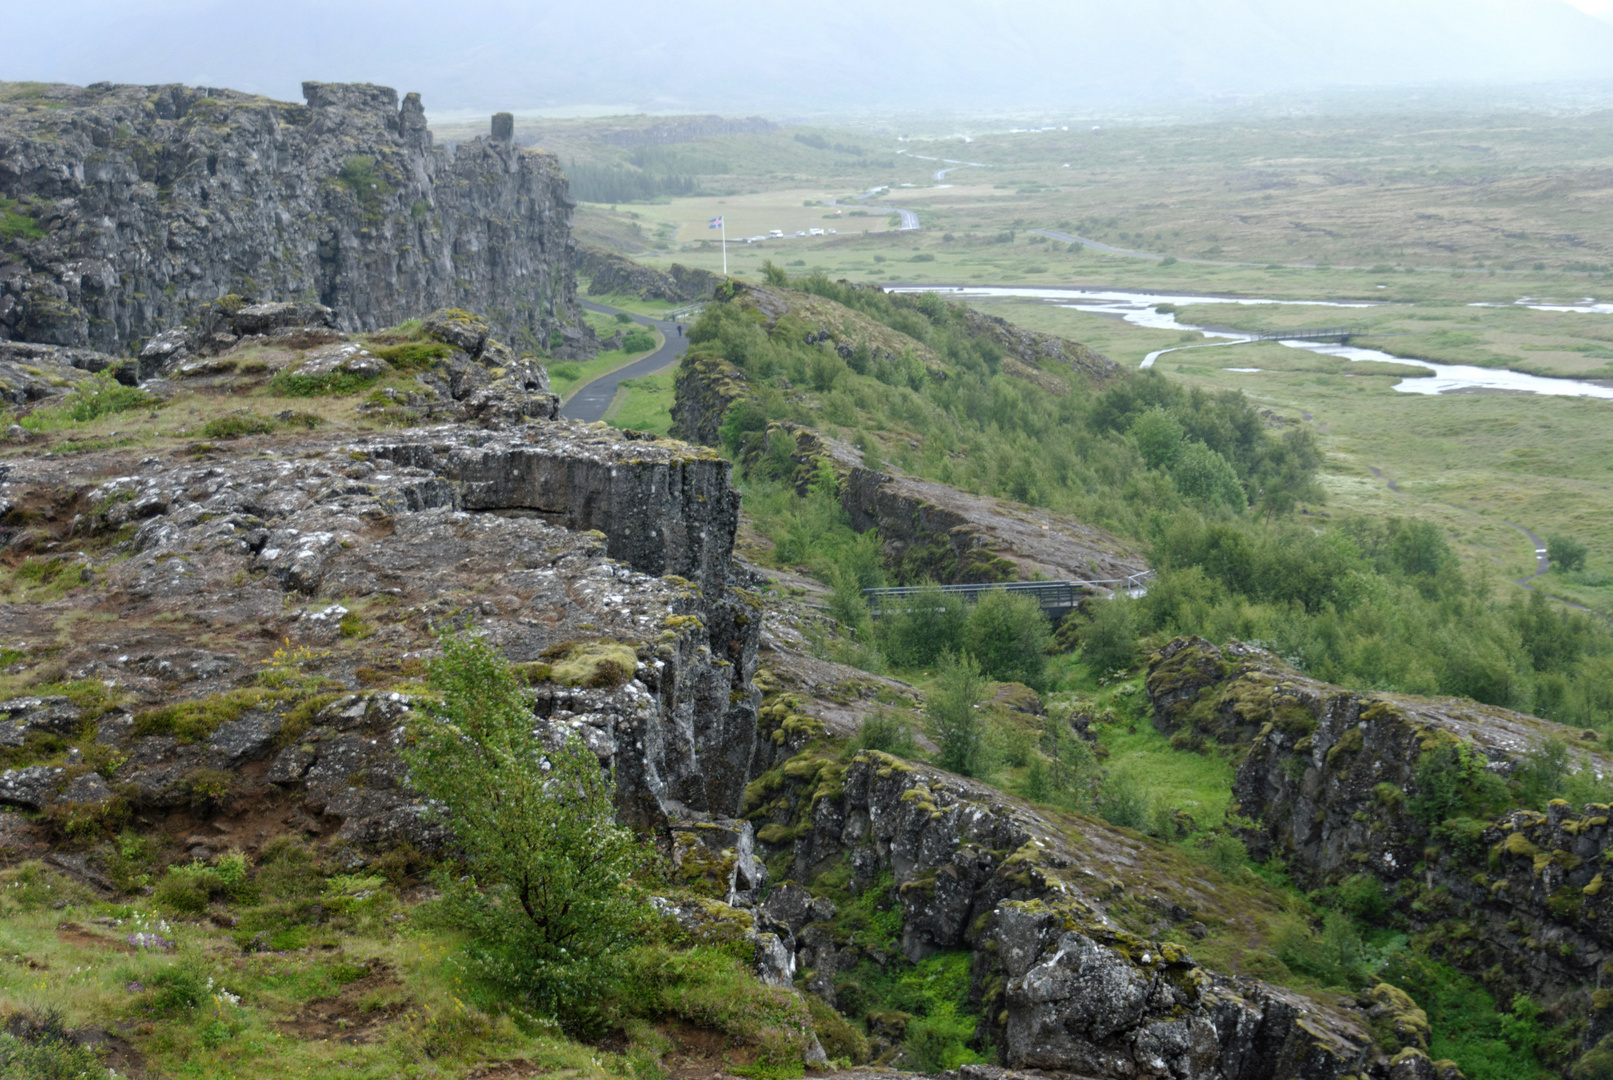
(953, 56)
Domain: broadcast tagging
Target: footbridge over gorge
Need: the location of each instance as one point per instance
(1056, 598)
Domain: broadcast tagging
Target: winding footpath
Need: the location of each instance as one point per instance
(1542, 562)
(592, 400)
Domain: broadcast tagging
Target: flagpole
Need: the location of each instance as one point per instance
(723, 221)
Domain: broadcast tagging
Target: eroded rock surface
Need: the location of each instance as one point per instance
(1062, 986)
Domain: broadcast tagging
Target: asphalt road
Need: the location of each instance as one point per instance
(1053, 234)
(591, 401)
(910, 220)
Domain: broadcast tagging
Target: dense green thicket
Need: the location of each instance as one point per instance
(984, 431)
(1377, 605)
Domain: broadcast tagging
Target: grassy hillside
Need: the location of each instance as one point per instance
(1220, 495)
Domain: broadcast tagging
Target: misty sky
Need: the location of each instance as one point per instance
(706, 55)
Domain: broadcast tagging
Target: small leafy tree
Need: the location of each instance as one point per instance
(950, 714)
(549, 903)
(1110, 641)
(917, 630)
(1159, 437)
(1008, 633)
(774, 274)
(1565, 553)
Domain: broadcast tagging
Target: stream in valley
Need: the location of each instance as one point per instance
(1141, 309)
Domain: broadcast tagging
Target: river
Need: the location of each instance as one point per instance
(1141, 309)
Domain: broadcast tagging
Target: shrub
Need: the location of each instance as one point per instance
(1227, 854)
(287, 384)
(178, 989)
(413, 356)
(841, 1040)
(1453, 780)
(638, 341)
(1123, 802)
(38, 1046)
(950, 713)
(233, 427)
(190, 888)
(1007, 633)
(97, 396)
(887, 733)
(929, 624)
(1109, 642)
(1362, 895)
(548, 904)
(1565, 553)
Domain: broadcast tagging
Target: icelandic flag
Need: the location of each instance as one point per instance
(715, 223)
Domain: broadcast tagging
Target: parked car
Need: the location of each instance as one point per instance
(776, 234)
(814, 232)
(800, 232)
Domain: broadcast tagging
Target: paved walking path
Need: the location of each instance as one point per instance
(593, 399)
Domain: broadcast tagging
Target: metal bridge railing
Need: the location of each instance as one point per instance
(1305, 335)
(1051, 595)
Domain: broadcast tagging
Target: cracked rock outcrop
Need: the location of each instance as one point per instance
(244, 551)
(1061, 986)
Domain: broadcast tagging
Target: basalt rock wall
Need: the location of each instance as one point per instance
(135, 206)
(1060, 986)
(1329, 780)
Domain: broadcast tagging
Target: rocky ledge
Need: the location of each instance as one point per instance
(332, 561)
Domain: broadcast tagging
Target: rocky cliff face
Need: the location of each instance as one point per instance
(1330, 781)
(134, 206)
(1061, 984)
(609, 273)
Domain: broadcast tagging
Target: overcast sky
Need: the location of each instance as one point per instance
(714, 55)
